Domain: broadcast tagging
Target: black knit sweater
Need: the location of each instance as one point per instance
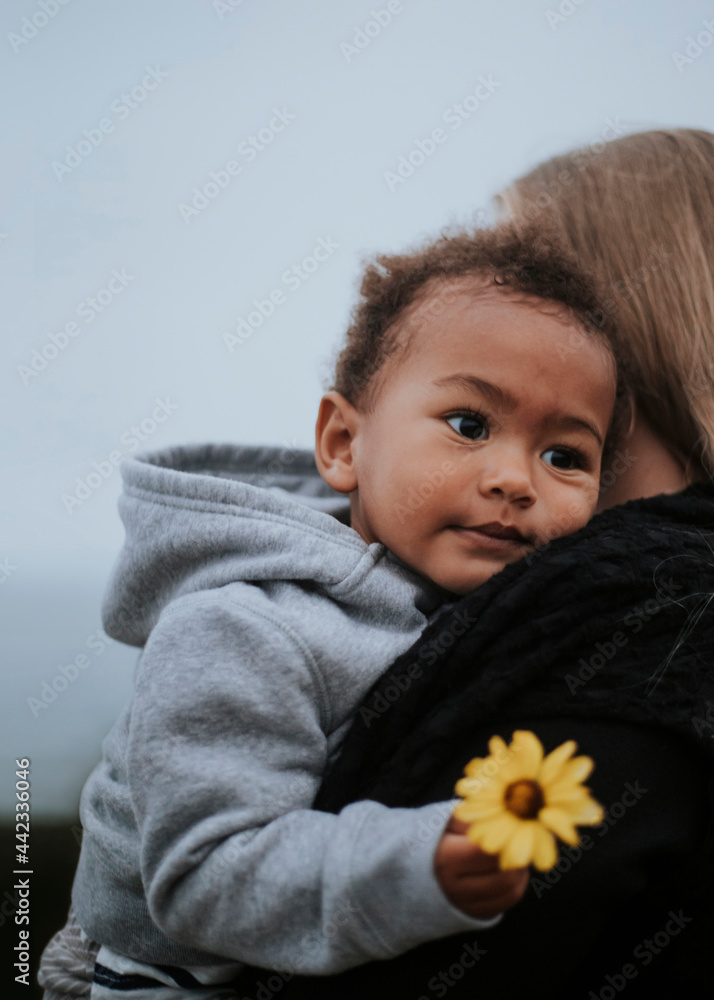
(605, 637)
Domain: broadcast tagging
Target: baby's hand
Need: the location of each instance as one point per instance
(471, 879)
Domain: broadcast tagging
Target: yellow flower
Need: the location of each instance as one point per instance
(516, 800)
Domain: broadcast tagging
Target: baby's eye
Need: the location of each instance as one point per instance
(470, 425)
(563, 458)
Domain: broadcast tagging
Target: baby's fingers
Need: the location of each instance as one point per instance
(471, 879)
(456, 825)
(461, 857)
(485, 896)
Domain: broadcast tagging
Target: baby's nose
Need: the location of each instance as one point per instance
(508, 479)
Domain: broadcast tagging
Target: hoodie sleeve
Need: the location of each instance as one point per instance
(226, 751)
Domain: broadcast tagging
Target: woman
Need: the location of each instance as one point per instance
(607, 637)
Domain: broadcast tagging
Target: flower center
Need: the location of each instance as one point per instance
(524, 798)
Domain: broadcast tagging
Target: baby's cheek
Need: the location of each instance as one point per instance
(592, 495)
(581, 511)
(577, 513)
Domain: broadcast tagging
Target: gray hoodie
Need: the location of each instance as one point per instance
(264, 619)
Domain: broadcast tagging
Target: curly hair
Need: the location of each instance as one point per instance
(526, 262)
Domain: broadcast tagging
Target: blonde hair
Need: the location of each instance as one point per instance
(638, 212)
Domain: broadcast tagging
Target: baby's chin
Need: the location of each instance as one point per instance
(470, 579)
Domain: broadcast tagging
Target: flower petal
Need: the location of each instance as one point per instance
(529, 753)
(581, 810)
(590, 813)
(500, 765)
(519, 850)
(553, 763)
(545, 852)
(473, 767)
(557, 821)
(572, 773)
(497, 745)
(470, 811)
(466, 787)
(569, 797)
(492, 834)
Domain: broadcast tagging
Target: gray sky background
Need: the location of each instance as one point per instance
(115, 115)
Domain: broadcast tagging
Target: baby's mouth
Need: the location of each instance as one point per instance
(495, 536)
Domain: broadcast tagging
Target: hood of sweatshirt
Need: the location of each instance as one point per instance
(202, 516)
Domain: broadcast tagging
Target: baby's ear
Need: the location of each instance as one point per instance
(335, 433)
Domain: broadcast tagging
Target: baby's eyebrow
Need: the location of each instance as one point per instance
(503, 398)
(472, 383)
(567, 421)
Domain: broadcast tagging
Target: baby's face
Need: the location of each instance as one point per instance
(486, 439)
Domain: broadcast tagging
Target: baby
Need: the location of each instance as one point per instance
(466, 432)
